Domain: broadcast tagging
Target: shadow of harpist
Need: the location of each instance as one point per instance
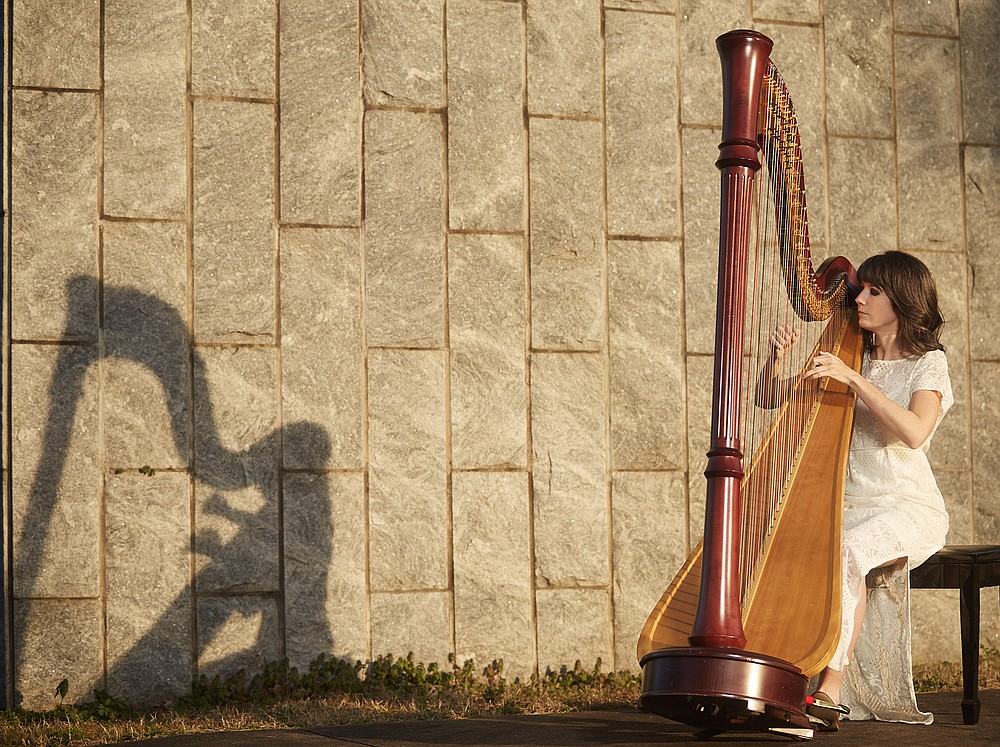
(237, 578)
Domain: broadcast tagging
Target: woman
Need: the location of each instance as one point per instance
(894, 515)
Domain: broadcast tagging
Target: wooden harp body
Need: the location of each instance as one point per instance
(755, 611)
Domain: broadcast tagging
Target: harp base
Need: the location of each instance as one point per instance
(725, 689)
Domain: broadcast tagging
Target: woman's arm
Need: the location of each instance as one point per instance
(770, 391)
(911, 425)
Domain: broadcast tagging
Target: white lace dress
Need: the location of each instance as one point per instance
(892, 509)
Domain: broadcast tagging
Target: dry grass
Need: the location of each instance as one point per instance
(401, 691)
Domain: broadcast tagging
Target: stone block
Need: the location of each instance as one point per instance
(647, 393)
(574, 625)
(649, 545)
(564, 57)
(147, 356)
(232, 48)
(928, 131)
(858, 35)
(980, 71)
(982, 193)
(493, 589)
(567, 244)
(236, 463)
(643, 177)
(701, 199)
(699, 392)
(651, 6)
(326, 607)
(956, 487)
(56, 487)
(321, 357)
(985, 412)
(486, 140)
(403, 47)
(798, 54)
(807, 11)
(862, 212)
(145, 108)
(237, 633)
(489, 397)
(53, 214)
(148, 577)
(570, 481)
(935, 617)
(938, 17)
(56, 45)
(56, 639)
(234, 238)
(408, 505)
(417, 622)
(404, 248)
(701, 77)
(321, 111)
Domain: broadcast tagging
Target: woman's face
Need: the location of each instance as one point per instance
(875, 311)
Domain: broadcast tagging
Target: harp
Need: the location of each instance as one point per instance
(755, 610)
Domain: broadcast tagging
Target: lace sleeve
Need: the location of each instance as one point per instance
(932, 373)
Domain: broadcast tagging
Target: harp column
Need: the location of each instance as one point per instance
(744, 56)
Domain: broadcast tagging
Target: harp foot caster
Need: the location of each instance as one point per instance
(720, 689)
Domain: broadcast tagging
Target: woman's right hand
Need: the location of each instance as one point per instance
(782, 339)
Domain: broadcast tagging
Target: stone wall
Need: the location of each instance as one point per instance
(379, 326)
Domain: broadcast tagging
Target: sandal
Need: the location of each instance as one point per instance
(823, 712)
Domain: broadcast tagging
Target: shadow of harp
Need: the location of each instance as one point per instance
(755, 610)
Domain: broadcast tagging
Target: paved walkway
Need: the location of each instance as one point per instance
(618, 728)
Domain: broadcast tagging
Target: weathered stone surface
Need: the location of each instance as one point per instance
(408, 508)
(416, 622)
(53, 218)
(56, 639)
(489, 396)
(649, 545)
(567, 245)
(862, 212)
(404, 247)
(55, 47)
(663, 6)
(647, 420)
(233, 222)
(321, 111)
(325, 583)
(701, 80)
(147, 359)
(569, 441)
(935, 616)
(145, 108)
(805, 11)
(571, 622)
(926, 16)
(236, 462)
(321, 352)
(980, 70)
(699, 382)
(55, 489)
(982, 193)
(928, 131)
(985, 412)
(564, 57)
(642, 133)
(798, 53)
(232, 48)
(956, 487)
(403, 46)
(237, 633)
(858, 68)
(486, 142)
(701, 237)
(148, 575)
(493, 592)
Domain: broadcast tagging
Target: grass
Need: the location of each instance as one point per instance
(387, 689)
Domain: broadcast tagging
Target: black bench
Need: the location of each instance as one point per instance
(967, 568)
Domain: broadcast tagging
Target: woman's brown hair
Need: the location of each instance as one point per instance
(911, 289)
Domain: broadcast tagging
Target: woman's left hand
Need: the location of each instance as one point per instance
(827, 364)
